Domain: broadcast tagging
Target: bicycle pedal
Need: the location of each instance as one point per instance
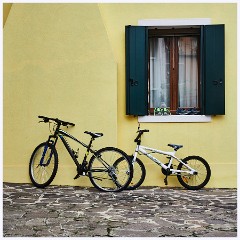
(77, 176)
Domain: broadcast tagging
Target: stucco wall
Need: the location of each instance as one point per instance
(57, 62)
(68, 61)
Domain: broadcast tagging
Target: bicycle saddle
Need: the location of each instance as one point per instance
(175, 146)
(94, 135)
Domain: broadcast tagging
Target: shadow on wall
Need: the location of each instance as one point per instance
(6, 11)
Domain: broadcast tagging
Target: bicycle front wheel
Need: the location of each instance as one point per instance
(139, 173)
(105, 175)
(200, 178)
(43, 165)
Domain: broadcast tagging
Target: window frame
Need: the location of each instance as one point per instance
(158, 32)
(212, 80)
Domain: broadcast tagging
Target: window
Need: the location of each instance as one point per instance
(175, 67)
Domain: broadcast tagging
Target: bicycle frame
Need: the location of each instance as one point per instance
(62, 134)
(143, 150)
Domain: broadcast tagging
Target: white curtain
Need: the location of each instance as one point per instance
(159, 73)
(188, 72)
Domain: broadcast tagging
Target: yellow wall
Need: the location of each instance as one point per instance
(68, 61)
(57, 62)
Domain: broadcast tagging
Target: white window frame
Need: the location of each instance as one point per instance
(167, 23)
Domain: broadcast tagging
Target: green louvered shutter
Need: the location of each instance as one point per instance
(213, 75)
(136, 40)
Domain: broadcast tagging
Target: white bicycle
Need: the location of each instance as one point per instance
(193, 172)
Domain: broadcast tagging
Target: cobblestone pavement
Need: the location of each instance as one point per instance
(64, 211)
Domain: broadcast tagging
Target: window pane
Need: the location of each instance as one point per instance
(188, 72)
(159, 72)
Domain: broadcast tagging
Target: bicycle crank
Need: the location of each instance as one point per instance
(167, 171)
(81, 171)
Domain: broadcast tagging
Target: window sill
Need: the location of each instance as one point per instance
(175, 118)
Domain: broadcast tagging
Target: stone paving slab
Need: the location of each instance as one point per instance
(66, 211)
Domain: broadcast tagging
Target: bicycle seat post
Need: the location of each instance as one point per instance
(88, 149)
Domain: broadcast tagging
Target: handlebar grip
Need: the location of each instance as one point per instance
(45, 119)
(41, 117)
(67, 123)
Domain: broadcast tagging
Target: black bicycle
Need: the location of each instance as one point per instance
(101, 170)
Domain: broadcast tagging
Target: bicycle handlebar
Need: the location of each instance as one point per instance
(58, 121)
(140, 133)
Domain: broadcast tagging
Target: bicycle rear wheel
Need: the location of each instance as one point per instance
(198, 180)
(43, 165)
(106, 176)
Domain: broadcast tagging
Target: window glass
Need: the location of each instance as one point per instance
(159, 72)
(188, 72)
(173, 72)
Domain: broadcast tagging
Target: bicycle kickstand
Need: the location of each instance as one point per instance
(166, 181)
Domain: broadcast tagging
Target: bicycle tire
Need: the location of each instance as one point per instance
(198, 181)
(42, 175)
(104, 175)
(139, 173)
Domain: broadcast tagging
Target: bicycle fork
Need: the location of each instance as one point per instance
(51, 142)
